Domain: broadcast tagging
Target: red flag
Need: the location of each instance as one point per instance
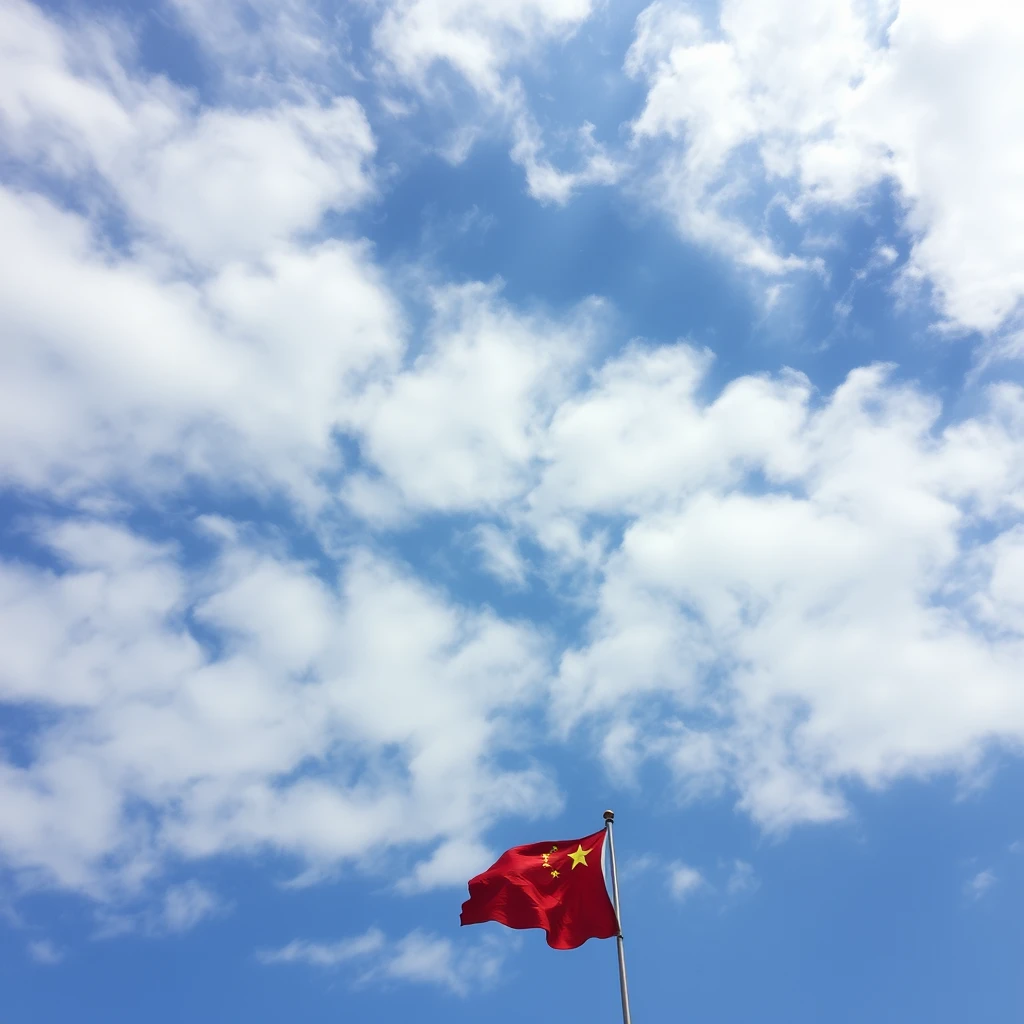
(556, 886)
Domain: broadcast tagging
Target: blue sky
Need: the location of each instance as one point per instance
(426, 423)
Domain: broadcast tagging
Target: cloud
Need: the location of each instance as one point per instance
(45, 953)
(500, 555)
(253, 40)
(476, 38)
(222, 310)
(544, 181)
(824, 616)
(325, 954)
(482, 43)
(155, 745)
(419, 957)
(74, 102)
(461, 427)
(186, 905)
(684, 881)
(783, 594)
(641, 864)
(819, 106)
(452, 863)
(742, 879)
(980, 884)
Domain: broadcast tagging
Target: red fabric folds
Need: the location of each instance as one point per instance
(558, 886)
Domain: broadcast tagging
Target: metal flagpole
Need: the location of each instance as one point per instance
(609, 817)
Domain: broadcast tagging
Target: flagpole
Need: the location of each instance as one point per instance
(609, 817)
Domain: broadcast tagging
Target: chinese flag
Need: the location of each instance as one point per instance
(557, 886)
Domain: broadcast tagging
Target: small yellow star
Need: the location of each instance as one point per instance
(554, 874)
(580, 857)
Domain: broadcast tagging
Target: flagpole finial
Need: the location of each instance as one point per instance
(609, 815)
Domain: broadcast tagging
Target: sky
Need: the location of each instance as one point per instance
(427, 423)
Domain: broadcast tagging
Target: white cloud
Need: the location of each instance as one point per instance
(186, 905)
(819, 104)
(641, 864)
(452, 863)
(482, 43)
(544, 181)
(461, 427)
(500, 555)
(213, 184)
(186, 380)
(1000, 598)
(821, 624)
(397, 741)
(684, 881)
(325, 954)
(256, 39)
(789, 592)
(477, 38)
(429, 959)
(228, 185)
(129, 365)
(980, 884)
(44, 952)
(419, 957)
(741, 879)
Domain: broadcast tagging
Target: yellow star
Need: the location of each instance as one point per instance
(580, 857)
(554, 874)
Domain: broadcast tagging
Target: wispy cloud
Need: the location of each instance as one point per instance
(188, 904)
(45, 953)
(684, 881)
(181, 909)
(500, 555)
(419, 957)
(742, 879)
(325, 954)
(980, 884)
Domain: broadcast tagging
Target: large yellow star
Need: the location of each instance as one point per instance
(580, 857)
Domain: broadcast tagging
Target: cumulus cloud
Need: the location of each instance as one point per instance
(462, 426)
(823, 617)
(782, 592)
(184, 381)
(122, 361)
(72, 100)
(817, 105)
(142, 714)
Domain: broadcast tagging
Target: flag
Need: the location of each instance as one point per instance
(558, 886)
